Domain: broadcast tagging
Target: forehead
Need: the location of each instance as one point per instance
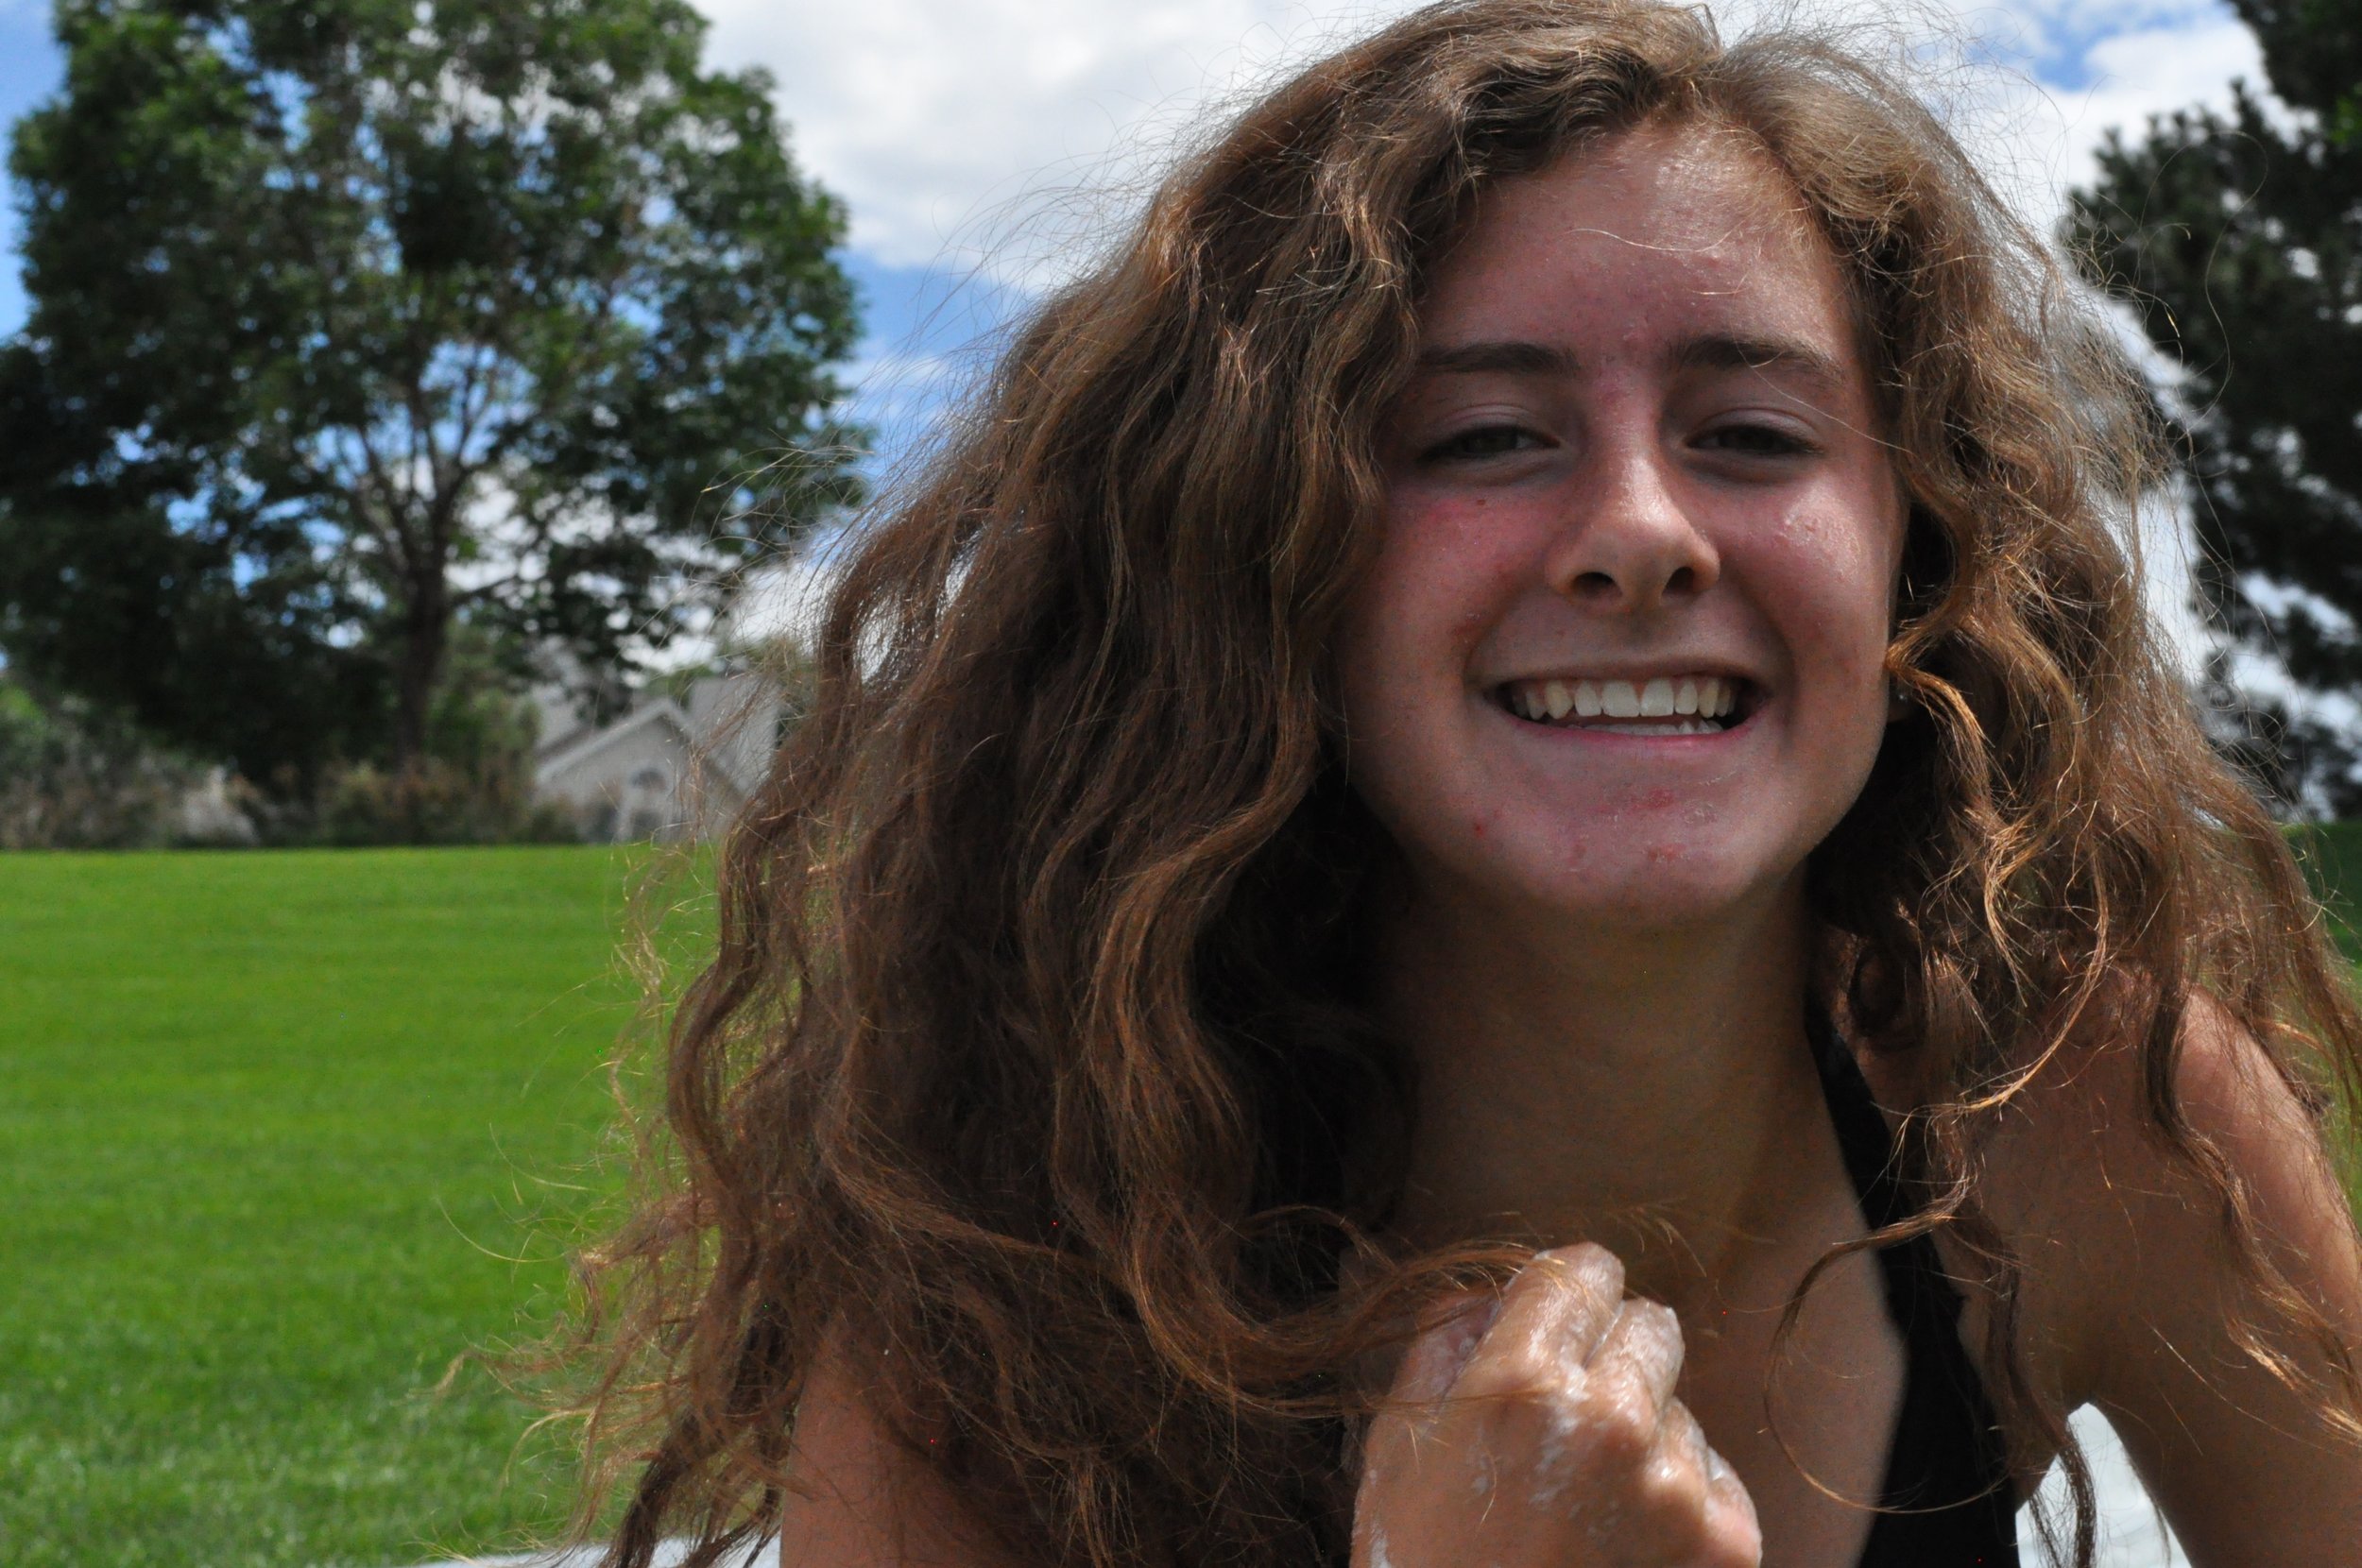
(1687, 222)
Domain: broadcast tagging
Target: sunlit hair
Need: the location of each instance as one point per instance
(1033, 1077)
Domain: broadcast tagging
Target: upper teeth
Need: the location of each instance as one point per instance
(1706, 696)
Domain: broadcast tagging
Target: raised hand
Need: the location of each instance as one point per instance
(1543, 1433)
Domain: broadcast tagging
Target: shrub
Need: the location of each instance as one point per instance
(74, 776)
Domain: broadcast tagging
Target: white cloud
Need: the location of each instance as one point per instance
(2136, 74)
(936, 118)
(786, 601)
(956, 129)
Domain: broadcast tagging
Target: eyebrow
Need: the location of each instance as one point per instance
(1503, 358)
(1713, 351)
(1721, 352)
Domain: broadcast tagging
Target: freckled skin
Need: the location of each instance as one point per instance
(1632, 510)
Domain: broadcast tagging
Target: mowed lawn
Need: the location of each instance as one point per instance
(282, 1136)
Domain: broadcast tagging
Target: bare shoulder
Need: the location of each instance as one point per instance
(863, 1500)
(2133, 1301)
(2111, 1220)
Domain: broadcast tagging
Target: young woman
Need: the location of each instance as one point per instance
(1498, 872)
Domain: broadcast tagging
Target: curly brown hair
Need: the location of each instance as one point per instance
(1035, 1052)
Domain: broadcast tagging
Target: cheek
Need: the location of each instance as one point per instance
(1832, 567)
(1436, 587)
(1442, 572)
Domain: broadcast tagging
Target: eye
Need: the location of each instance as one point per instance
(1758, 439)
(1483, 441)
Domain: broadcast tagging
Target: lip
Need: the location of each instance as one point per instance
(1654, 669)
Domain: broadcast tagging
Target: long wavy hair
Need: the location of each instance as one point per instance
(1032, 1070)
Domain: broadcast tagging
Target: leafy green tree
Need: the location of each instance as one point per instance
(354, 321)
(73, 777)
(2241, 238)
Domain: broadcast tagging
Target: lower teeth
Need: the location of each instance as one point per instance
(1682, 726)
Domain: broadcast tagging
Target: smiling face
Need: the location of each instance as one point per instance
(1620, 657)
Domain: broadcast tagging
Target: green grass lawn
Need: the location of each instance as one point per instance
(275, 1129)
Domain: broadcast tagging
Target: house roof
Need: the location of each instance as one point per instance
(583, 744)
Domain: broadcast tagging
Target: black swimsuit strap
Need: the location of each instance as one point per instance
(1947, 1469)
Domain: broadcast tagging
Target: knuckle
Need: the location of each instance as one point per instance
(1587, 1266)
(1619, 1419)
(1590, 1255)
(1528, 1371)
(1674, 1488)
(1648, 1340)
(1685, 1436)
(1654, 1321)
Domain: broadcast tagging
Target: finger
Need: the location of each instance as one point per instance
(1699, 1494)
(1726, 1490)
(1627, 1389)
(1682, 1444)
(1730, 1511)
(1441, 1352)
(1643, 1344)
(1553, 1316)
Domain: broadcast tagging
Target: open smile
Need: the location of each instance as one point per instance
(1659, 706)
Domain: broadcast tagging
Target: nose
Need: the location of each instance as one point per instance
(1629, 545)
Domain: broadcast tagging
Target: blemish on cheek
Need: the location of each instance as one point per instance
(1666, 854)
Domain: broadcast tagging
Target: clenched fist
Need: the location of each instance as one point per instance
(1546, 1435)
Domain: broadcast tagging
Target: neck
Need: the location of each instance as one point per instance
(1644, 1090)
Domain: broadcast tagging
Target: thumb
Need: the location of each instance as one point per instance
(1441, 1354)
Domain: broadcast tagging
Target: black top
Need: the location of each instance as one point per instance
(1947, 1485)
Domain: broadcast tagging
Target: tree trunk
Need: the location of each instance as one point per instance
(425, 635)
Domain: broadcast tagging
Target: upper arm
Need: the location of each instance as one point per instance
(862, 1500)
(2131, 1285)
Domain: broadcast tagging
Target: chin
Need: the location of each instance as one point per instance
(1650, 885)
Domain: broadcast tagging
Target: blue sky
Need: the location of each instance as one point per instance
(30, 70)
(982, 144)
